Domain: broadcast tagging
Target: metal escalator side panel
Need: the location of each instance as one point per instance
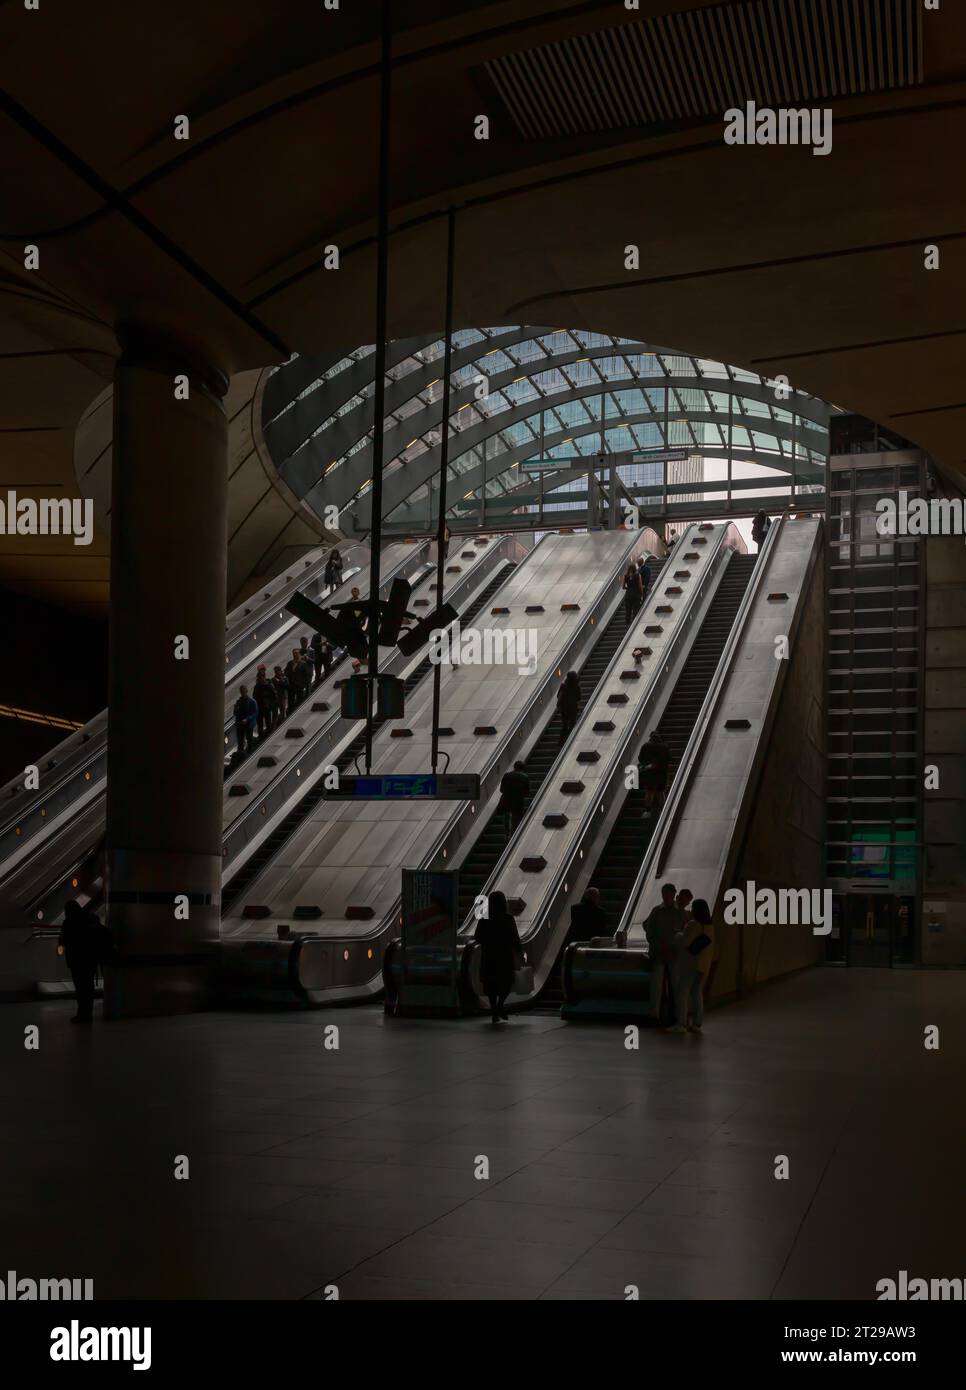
(569, 851)
(82, 789)
(297, 772)
(539, 576)
(698, 835)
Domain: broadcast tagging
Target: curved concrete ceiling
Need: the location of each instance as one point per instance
(765, 257)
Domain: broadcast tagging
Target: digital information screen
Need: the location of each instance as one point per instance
(410, 786)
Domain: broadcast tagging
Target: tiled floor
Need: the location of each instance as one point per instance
(608, 1167)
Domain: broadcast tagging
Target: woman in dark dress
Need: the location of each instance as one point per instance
(497, 934)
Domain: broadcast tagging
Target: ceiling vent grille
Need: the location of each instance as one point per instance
(703, 62)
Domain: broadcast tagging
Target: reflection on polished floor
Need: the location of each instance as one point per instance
(607, 1167)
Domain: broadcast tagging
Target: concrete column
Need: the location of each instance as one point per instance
(166, 675)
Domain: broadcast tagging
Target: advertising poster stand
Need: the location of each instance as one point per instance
(429, 977)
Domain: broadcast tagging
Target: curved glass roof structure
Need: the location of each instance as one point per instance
(688, 427)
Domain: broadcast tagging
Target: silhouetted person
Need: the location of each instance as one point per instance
(646, 579)
(683, 901)
(280, 682)
(246, 713)
(265, 697)
(760, 528)
(588, 918)
(497, 934)
(299, 675)
(689, 969)
(82, 939)
(633, 593)
(653, 763)
(660, 929)
(514, 790)
(568, 704)
(321, 657)
(333, 571)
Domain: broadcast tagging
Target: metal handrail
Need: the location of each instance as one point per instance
(669, 816)
(511, 847)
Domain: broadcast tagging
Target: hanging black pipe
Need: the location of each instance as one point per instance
(379, 395)
(444, 462)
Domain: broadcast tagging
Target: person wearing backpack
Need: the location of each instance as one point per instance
(689, 969)
(760, 528)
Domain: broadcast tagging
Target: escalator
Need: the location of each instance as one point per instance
(617, 868)
(257, 861)
(476, 869)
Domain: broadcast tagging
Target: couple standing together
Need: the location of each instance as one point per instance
(680, 943)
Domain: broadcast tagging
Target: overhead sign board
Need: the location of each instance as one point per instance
(409, 786)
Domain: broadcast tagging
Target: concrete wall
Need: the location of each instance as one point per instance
(944, 743)
(783, 845)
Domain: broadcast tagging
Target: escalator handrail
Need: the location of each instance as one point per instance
(96, 727)
(96, 749)
(551, 892)
(670, 814)
(488, 567)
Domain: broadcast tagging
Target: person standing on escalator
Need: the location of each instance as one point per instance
(654, 761)
(760, 528)
(246, 714)
(280, 682)
(514, 790)
(568, 705)
(333, 571)
(633, 593)
(265, 697)
(646, 580)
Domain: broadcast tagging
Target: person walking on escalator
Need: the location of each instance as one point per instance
(333, 572)
(82, 941)
(653, 763)
(633, 593)
(690, 967)
(246, 714)
(568, 704)
(265, 697)
(502, 953)
(760, 528)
